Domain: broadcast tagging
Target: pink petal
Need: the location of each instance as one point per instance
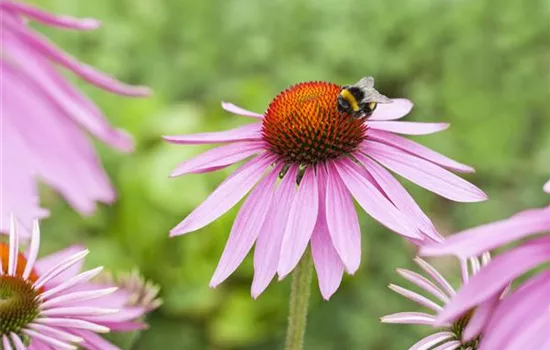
(42, 46)
(93, 341)
(452, 345)
(328, 264)
(218, 158)
(496, 276)
(436, 276)
(46, 18)
(46, 263)
(399, 196)
(19, 345)
(407, 128)
(231, 191)
(230, 107)
(476, 240)
(398, 108)
(249, 132)
(417, 298)
(418, 150)
(6, 343)
(423, 283)
(424, 173)
(246, 227)
(300, 224)
(409, 318)
(342, 222)
(517, 310)
(430, 341)
(371, 200)
(268, 245)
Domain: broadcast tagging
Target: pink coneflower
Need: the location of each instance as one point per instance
(45, 303)
(464, 333)
(522, 318)
(45, 120)
(308, 161)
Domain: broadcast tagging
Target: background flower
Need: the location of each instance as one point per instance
(522, 319)
(45, 119)
(463, 333)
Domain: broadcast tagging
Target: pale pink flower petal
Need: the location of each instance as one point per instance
(268, 245)
(46, 263)
(480, 318)
(372, 201)
(300, 224)
(409, 318)
(342, 222)
(398, 108)
(547, 187)
(230, 107)
(49, 19)
(424, 173)
(430, 341)
(490, 236)
(418, 150)
(328, 264)
(229, 193)
(408, 128)
(423, 283)
(218, 158)
(246, 228)
(249, 132)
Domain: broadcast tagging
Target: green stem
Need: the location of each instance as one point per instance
(299, 299)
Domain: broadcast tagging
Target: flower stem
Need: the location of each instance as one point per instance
(299, 299)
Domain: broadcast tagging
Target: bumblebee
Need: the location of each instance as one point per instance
(360, 99)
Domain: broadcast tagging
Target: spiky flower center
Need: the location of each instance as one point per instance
(303, 124)
(19, 304)
(19, 300)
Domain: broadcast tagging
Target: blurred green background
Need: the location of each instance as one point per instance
(481, 65)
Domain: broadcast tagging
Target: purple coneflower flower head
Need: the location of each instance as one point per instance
(46, 303)
(307, 161)
(521, 320)
(45, 120)
(463, 333)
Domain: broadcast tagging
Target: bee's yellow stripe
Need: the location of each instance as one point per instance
(350, 99)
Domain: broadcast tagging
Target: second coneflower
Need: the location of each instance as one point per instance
(308, 161)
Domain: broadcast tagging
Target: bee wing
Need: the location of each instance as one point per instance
(378, 97)
(366, 84)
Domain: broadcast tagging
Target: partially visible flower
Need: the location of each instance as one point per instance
(547, 187)
(308, 162)
(140, 291)
(45, 120)
(463, 333)
(46, 303)
(522, 318)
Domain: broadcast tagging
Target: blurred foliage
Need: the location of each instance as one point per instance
(481, 65)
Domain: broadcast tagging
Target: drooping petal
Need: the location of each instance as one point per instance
(423, 283)
(476, 240)
(418, 150)
(398, 108)
(300, 224)
(328, 263)
(417, 298)
(218, 158)
(423, 173)
(49, 19)
(399, 196)
(436, 276)
(42, 46)
(93, 341)
(231, 191)
(371, 200)
(409, 318)
(246, 227)
(268, 245)
(249, 132)
(230, 107)
(407, 128)
(495, 277)
(46, 263)
(342, 221)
